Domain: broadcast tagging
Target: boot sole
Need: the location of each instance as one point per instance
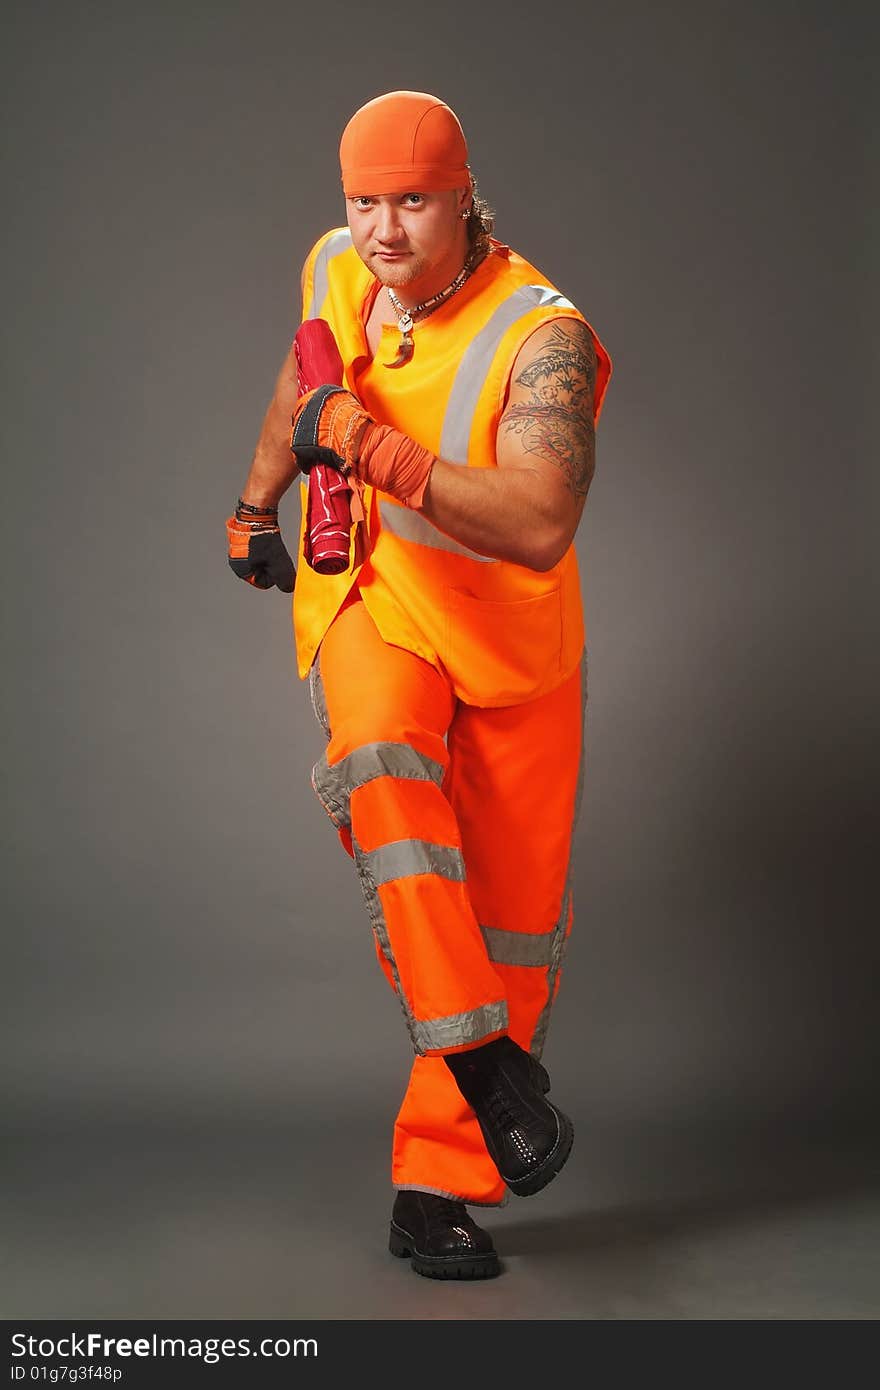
(553, 1163)
(483, 1266)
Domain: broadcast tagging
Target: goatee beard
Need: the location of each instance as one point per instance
(397, 276)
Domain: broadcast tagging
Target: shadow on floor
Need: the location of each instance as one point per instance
(751, 1195)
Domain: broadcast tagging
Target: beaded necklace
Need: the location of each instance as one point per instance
(405, 317)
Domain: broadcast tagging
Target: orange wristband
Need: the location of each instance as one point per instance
(394, 463)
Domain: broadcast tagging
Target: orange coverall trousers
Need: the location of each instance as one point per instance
(460, 821)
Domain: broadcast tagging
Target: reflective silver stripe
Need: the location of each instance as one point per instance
(412, 526)
(558, 933)
(457, 1029)
(334, 783)
(333, 246)
(518, 948)
(405, 858)
(319, 699)
(474, 366)
(433, 1033)
(380, 929)
(456, 1196)
(460, 409)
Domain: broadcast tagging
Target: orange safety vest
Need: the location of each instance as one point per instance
(504, 634)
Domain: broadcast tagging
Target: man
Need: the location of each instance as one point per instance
(448, 667)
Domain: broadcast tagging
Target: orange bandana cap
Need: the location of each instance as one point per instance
(403, 142)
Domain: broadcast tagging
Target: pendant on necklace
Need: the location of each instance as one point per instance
(405, 324)
(404, 350)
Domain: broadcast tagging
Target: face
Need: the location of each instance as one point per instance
(410, 240)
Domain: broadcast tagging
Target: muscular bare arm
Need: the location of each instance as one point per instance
(528, 509)
(273, 467)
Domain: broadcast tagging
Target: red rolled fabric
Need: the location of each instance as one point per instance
(329, 515)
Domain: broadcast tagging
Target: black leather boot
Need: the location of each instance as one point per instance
(442, 1240)
(527, 1137)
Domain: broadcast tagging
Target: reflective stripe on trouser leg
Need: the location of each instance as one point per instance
(519, 876)
(562, 926)
(381, 779)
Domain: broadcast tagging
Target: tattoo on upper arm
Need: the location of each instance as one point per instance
(556, 418)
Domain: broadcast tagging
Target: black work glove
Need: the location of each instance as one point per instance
(257, 554)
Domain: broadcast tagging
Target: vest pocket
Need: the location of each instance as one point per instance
(502, 651)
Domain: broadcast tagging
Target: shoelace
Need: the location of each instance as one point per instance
(501, 1111)
(445, 1212)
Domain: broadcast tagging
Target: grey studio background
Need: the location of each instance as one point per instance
(201, 1059)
